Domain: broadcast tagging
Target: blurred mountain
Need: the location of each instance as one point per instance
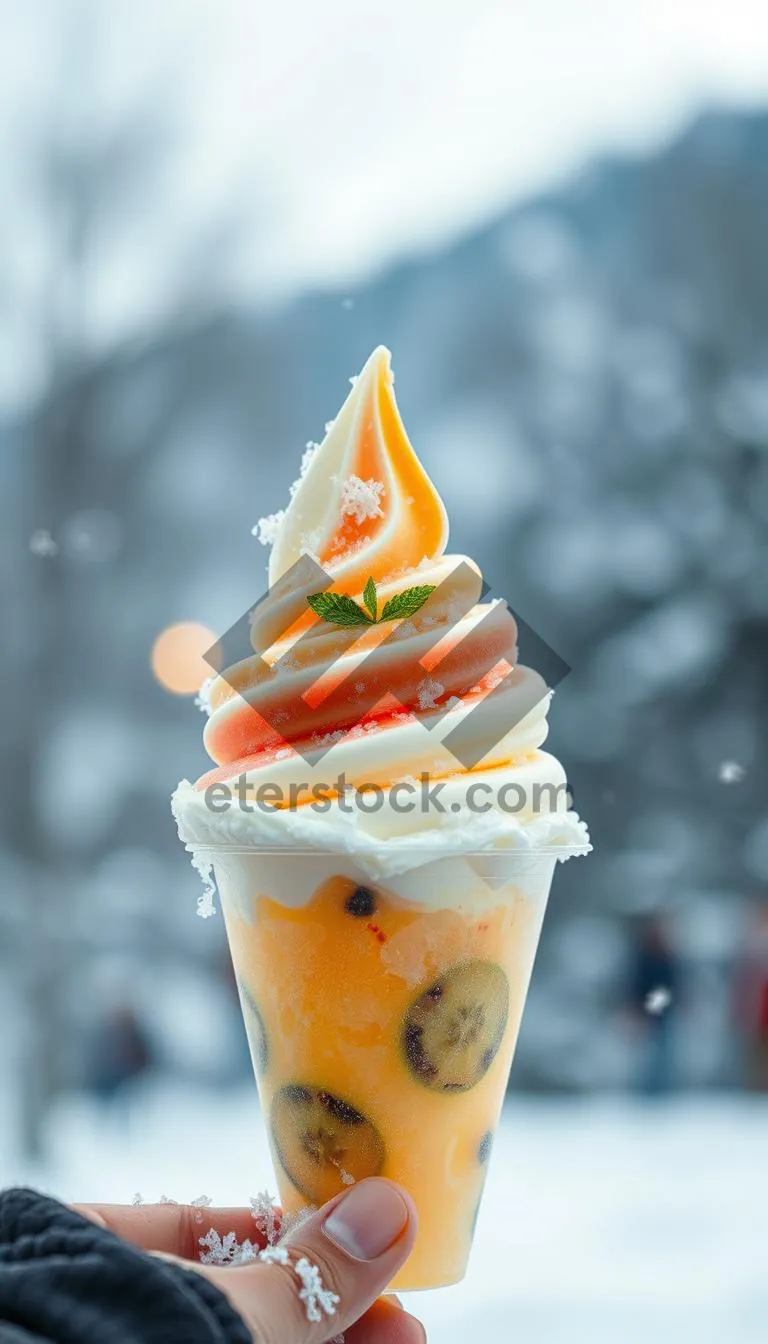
(586, 379)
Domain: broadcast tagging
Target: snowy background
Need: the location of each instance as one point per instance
(555, 215)
(600, 1222)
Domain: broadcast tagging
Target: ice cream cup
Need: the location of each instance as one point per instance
(382, 1018)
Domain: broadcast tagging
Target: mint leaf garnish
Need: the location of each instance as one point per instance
(406, 603)
(369, 597)
(338, 609)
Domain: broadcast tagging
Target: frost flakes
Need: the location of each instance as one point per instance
(429, 692)
(266, 1217)
(292, 1221)
(267, 528)
(310, 452)
(226, 1250)
(327, 739)
(202, 1202)
(203, 697)
(310, 542)
(361, 499)
(42, 543)
(658, 1000)
(206, 908)
(315, 1297)
(274, 1255)
(730, 772)
(137, 1201)
(405, 629)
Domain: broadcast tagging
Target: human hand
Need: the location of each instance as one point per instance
(358, 1241)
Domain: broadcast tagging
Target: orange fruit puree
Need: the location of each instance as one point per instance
(382, 1036)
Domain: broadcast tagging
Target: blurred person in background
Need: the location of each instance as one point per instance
(752, 1001)
(121, 1053)
(654, 984)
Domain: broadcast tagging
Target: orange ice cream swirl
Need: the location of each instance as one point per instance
(366, 509)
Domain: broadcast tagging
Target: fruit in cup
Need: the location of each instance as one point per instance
(323, 1142)
(453, 1031)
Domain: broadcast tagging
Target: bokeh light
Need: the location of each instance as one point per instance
(177, 659)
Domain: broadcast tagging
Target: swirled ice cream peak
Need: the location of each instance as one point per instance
(365, 506)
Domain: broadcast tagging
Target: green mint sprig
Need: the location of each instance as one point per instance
(338, 609)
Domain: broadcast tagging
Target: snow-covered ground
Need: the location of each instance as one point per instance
(603, 1222)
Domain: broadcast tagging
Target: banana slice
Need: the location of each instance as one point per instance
(323, 1143)
(452, 1032)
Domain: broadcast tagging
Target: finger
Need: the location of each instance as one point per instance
(357, 1242)
(386, 1324)
(175, 1229)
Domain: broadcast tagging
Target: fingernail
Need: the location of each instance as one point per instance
(368, 1220)
(395, 1300)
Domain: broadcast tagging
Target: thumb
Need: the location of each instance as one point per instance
(357, 1242)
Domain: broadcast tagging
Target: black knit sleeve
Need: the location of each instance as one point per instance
(65, 1281)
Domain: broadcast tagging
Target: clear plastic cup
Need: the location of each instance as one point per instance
(382, 1018)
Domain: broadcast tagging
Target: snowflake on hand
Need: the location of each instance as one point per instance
(315, 1297)
(137, 1201)
(266, 1217)
(226, 1250)
(219, 1249)
(274, 1255)
(292, 1221)
(202, 1202)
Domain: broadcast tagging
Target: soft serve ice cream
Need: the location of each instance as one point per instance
(366, 510)
(383, 953)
